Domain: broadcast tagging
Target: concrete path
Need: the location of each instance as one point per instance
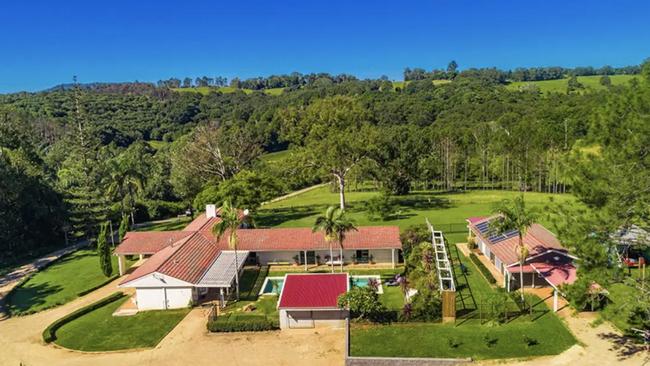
(10, 280)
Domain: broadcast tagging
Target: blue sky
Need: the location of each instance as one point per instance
(44, 43)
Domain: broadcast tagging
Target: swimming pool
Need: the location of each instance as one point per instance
(273, 285)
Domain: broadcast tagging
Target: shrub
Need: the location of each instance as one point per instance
(363, 303)
(251, 325)
(413, 236)
(454, 342)
(582, 297)
(490, 340)
(481, 267)
(163, 209)
(529, 342)
(380, 207)
(471, 242)
(426, 305)
(49, 334)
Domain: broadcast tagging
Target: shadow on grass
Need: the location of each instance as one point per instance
(26, 297)
(276, 216)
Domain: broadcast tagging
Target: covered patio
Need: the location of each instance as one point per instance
(218, 281)
(554, 269)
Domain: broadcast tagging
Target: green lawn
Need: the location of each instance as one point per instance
(448, 211)
(276, 157)
(173, 224)
(100, 331)
(465, 338)
(59, 283)
(560, 85)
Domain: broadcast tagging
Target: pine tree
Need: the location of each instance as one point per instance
(104, 251)
(81, 175)
(124, 227)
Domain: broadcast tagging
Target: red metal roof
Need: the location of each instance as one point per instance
(312, 291)
(148, 242)
(538, 240)
(152, 264)
(190, 262)
(367, 237)
(556, 268)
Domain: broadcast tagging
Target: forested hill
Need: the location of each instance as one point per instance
(71, 158)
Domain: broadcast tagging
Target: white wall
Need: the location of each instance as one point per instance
(149, 298)
(265, 257)
(379, 255)
(310, 319)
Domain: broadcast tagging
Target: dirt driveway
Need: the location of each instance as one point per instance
(189, 343)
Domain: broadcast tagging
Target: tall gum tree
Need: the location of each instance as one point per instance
(333, 136)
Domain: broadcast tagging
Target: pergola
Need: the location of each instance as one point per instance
(221, 274)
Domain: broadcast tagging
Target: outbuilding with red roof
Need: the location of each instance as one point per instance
(548, 262)
(310, 300)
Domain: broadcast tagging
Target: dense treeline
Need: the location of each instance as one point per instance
(518, 74)
(73, 158)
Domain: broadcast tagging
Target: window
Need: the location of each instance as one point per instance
(362, 256)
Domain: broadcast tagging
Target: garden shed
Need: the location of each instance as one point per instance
(310, 300)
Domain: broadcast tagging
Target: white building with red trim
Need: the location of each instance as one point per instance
(548, 262)
(185, 266)
(309, 300)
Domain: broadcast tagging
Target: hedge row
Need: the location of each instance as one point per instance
(108, 280)
(486, 272)
(49, 334)
(256, 325)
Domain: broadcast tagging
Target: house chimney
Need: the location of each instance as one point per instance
(210, 211)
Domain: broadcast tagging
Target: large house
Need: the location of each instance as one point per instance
(548, 262)
(183, 267)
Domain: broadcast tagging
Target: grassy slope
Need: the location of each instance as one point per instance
(205, 90)
(276, 157)
(174, 224)
(100, 331)
(560, 86)
(440, 208)
(59, 283)
(432, 339)
(401, 84)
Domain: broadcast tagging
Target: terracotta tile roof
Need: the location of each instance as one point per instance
(538, 240)
(148, 242)
(367, 237)
(312, 291)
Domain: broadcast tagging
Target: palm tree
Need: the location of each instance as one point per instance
(334, 225)
(231, 220)
(513, 215)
